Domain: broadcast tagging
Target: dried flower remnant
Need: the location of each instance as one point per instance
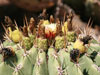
(69, 20)
(6, 51)
(51, 19)
(31, 25)
(74, 55)
(25, 31)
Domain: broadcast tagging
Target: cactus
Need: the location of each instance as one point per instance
(71, 36)
(40, 67)
(42, 43)
(36, 54)
(27, 43)
(59, 44)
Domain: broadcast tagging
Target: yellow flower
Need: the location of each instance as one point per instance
(46, 22)
(65, 26)
(80, 46)
(15, 35)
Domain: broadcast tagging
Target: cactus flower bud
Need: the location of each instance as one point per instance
(80, 46)
(65, 26)
(50, 31)
(15, 35)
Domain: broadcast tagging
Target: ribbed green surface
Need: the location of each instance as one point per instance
(39, 62)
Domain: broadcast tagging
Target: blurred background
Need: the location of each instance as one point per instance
(18, 9)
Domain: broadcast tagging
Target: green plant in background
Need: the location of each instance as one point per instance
(56, 51)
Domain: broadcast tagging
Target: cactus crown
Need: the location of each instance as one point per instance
(49, 48)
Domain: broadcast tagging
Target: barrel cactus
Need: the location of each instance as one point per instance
(36, 54)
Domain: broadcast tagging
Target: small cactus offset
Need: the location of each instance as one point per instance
(42, 43)
(27, 43)
(59, 44)
(71, 36)
(49, 48)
